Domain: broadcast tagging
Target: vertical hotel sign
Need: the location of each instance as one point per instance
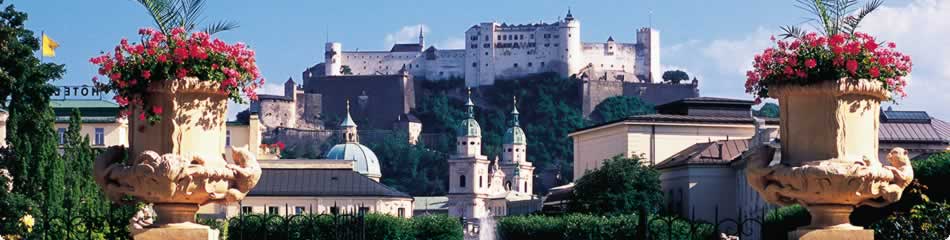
(77, 92)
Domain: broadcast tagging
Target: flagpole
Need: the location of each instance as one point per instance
(42, 43)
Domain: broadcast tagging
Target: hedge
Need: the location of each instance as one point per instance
(591, 227)
(376, 226)
(925, 221)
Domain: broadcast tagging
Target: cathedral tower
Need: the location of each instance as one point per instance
(468, 170)
(519, 173)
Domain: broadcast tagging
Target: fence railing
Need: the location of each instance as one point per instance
(344, 224)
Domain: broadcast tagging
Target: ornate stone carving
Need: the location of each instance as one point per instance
(176, 184)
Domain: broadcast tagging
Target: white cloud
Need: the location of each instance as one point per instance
(734, 56)
(406, 34)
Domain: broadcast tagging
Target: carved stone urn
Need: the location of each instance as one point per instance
(178, 162)
(829, 163)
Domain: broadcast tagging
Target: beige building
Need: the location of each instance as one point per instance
(100, 121)
(656, 137)
(290, 187)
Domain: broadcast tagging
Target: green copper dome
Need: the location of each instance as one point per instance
(468, 126)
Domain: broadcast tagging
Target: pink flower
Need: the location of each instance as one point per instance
(875, 72)
(891, 45)
(810, 63)
(122, 101)
(142, 116)
(157, 109)
(146, 74)
(181, 73)
(852, 66)
(162, 58)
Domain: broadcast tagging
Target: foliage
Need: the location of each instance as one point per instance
(345, 70)
(437, 227)
(132, 68)
(933, 172)
(621, 185)
(778, 222)
(82, 193)
(675, 76)
(413, 169)
(770, 110)
(586, 226)
(376, 226)
(13, 205)
(169, 14)
(832, 17)
(619, 107)
(930, 220)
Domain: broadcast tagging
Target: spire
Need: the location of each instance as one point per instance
(470, 107)
(349, 127)
(569, 16)
(422, 41)
(514, 111)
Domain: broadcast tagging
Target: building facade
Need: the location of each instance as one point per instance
(502, 51)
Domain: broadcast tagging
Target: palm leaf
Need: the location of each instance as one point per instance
(162, 12)
(792, 32)
(220, 27)
(851, 23)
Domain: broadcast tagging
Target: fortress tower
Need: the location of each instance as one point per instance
(648, 55)
(334, 58)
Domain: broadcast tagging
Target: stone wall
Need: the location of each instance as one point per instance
(593, 92)
(376, 100)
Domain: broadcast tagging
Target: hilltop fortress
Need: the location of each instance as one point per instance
(502, 51)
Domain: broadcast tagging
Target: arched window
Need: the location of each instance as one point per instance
(462, 181)
(525, 187)
(481, 181)
(508, 186)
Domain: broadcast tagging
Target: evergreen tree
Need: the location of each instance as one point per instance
(38, 173)
(621, 185)
(82, 194)
(619, 107)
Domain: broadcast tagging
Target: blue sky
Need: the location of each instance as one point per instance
(714, 40)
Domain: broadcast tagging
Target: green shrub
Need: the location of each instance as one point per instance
(586, 226)
(933, 173)
(442, 227)
(925, 221)
(376, 226)
(780, 221)
(620, 186)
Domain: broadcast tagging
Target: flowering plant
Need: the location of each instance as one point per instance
(132, 68)
(838, 52)
(815, 58)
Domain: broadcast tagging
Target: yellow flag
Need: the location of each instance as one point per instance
(49, 46)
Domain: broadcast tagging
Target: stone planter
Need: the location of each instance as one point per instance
(178, 163)
(829, 164)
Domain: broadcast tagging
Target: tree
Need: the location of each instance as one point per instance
(770, 110)
(413, 169)
(169, 14)
(345, 70)
(675, 76)
(82, 194)
(39, 174)
(622, 185)
(619, 107)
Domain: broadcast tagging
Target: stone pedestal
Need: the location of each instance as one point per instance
(191, 232)
(838, 234)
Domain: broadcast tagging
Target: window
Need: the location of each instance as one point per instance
(100, 137)
(481, 182)
(474, 64)
(516, 65)
(474, 46)
(462, 181)
(542, 64)
(499, 37)
(529, 64)
(401, 212)
(525, 187)
(227, 138)
(247, 210)
(300, 210)
(62, 135)
(487, 45)
(273, 210)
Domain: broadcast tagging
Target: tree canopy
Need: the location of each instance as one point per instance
(622, 185)
(675, 76)
(767, 110)
(619, 107)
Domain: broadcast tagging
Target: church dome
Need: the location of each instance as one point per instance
(469, 127)
(366, 162)
(514, 135)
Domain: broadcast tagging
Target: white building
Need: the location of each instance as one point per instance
(499, 51)
(480, 188)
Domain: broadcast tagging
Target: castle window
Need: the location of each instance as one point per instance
(529, 64)
(474, 64)
(486, 38)
(486, 45)
(474, 46)
(542, 64)
(481, 181)
(516, 65)
(462, 181)
(531, 36)
(509, 150)
(525, 187)
(557, 36)
(471, 143)
(499, 37)
(486, 53)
